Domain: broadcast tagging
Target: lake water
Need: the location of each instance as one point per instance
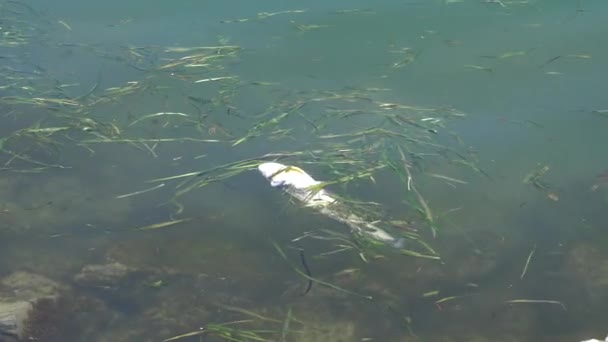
(130, 133)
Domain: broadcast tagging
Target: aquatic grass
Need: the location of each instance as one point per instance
(351, 138)
(254, 327)
(315, 280)
(349, 156)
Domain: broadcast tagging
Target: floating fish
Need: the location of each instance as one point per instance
(596, 340)
(300, 185)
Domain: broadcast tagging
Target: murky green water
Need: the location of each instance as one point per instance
(513, 171)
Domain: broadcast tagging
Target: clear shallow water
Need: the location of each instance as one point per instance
(529, 108)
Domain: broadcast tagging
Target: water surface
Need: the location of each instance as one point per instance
(521, 84)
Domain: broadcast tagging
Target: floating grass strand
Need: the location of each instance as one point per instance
(164, 224)
(227, 333)
(320, 282)
(450, 298)
(536, 301)
(248, 313)
(523, 273)
(307, 270)
(285, 330)
(155, 115)
(412, 187)
(449, 179)
(156, 140)
(200, 332)
(141, 191)
(418, 255)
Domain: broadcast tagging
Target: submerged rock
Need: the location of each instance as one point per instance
(22, 296)
(106, 274)
(13, 316)
(28, 286)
